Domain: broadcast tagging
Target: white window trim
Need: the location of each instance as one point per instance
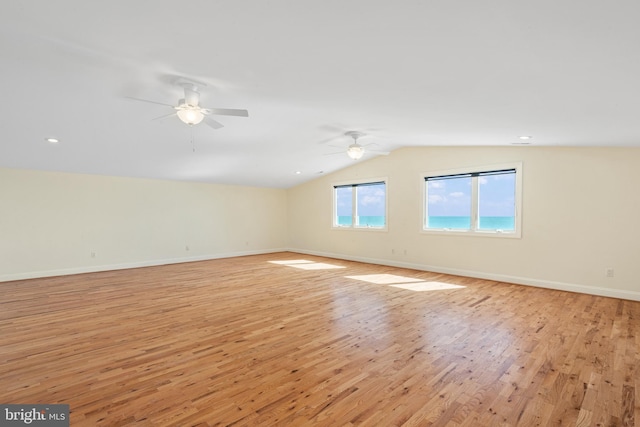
(334, 226)
(517, 234)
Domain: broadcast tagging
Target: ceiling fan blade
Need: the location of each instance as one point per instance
(164, 116)
(227, 112)
(336, 128)
(333, 138)
(337, 152)
(150, 102)
(214, 124)
(382, 153)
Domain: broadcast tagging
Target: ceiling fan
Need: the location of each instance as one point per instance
(356, 150)
(189, 110)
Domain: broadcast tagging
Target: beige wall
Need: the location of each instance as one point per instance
(581, 208)
(580, 213)
(51, 223)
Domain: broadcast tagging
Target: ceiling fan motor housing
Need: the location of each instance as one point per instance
(191, 96)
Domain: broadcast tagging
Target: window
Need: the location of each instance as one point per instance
(483, 201)
(360, 205)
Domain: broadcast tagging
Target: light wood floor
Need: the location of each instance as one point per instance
(246, 341)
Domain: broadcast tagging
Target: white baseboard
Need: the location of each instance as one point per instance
(124, 266)
(570, 287)
(540, 283)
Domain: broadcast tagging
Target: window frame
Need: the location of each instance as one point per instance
(517, 233)
(357, 183)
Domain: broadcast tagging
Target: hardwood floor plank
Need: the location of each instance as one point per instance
(295, 340)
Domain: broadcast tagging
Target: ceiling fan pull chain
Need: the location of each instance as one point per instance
(193, 144)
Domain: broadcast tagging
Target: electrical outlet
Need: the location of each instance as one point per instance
(186, 248)
(93, 254)
(609, 272)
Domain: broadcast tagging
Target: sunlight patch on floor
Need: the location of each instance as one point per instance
(291, 261)
(384, 279)
(307, 265)
(403, 282)
(316, 266)
(427, 286)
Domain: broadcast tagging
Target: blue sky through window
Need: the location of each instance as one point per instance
(449, 197)
(497, 195)
(370, 202)
(452, 197)
(344, 201)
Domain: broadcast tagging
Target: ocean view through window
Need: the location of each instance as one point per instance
(360, 205)
(474, 201)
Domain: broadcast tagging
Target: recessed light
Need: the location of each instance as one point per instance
(298, 172)
(525, 137)
(52, 140)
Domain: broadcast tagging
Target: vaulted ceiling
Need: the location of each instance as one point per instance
(406, 73)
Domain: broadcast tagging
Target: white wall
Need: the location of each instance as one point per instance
(51, 223)
(581, 208)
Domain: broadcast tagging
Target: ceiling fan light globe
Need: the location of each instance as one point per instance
(190, 116)
(355, 151)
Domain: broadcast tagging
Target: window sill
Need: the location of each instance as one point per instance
(470, 233)
(360, 228)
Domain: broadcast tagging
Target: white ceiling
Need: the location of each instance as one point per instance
(407, 73)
